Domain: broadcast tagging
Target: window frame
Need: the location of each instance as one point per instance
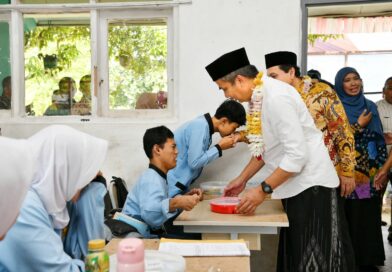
(161, 9)
(6, 17)
(104, 92)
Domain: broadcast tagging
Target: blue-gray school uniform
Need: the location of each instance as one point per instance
(193, 141)
(149, 200)
(32, 244)
(86, 220)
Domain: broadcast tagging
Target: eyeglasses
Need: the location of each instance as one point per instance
(388, 88)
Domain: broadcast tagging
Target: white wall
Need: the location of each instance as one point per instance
(206, 29)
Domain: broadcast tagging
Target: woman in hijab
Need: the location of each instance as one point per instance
(86, 218)
(363, 205)
(16, 162)
(67, 160)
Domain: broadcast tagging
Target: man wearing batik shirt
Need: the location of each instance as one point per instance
(327, 111)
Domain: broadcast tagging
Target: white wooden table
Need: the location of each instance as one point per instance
(268, 218)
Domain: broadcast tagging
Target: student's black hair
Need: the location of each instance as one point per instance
(233, 111)
(314, 74)
(287, 67)
(155, 136)
(385, 84)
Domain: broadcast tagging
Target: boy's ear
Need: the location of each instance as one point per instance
(224, 120)
(156, 149)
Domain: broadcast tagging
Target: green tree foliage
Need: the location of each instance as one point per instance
(324, 37)
(71, 46)
(141, 49)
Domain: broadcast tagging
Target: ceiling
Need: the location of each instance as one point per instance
(357, 10)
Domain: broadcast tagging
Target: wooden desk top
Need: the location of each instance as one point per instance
(269, 214)
(196, 264)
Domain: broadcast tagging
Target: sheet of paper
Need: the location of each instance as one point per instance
(205, 247)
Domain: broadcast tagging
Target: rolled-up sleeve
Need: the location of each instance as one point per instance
(287, 128)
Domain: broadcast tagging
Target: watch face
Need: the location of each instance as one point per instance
(266, 188)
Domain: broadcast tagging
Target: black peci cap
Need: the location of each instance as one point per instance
(227, 63)
(280, 58)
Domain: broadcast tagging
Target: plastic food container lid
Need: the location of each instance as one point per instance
(224, 205)
(213, 187)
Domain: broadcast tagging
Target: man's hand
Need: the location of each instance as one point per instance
(196, 191)
(234, 188)
(186, 202)
(381, 177)
(364, 118)
(227, 142)
(240, 136)
(251, 200)
(347, 185)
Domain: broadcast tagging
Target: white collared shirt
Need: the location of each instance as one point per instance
(292, 141)
(385, 111)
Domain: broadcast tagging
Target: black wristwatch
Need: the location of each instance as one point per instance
(266, 187)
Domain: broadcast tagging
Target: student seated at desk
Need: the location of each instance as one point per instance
(149, 201)
(193, 141)
(66, 160)
(86, 218)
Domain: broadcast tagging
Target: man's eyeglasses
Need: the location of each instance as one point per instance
(388, 88)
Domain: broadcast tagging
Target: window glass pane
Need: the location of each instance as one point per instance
(5, 67)
(109, 1)
(137, 65)
(374, 69)
(327, 65)
(58, 65)
(53, 1)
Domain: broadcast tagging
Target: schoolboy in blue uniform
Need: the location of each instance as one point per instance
(149, 201)
(193, 141)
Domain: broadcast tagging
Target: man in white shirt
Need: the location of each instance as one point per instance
(298, 168)
(384, 108)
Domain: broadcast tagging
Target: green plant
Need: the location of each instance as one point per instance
(324, 37)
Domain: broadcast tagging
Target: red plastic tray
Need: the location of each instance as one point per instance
(224, 204)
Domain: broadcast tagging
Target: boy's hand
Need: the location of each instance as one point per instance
(187, 202)
(196, 191)
(227, 142)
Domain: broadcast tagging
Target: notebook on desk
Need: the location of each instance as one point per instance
(205, 247)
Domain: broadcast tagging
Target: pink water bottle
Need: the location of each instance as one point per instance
(130, 255)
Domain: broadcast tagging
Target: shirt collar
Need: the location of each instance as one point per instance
(159, 171)
(209, 121)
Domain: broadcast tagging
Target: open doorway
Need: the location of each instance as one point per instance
(356, 35)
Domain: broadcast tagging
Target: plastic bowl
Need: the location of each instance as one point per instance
(225, 205)
(213, 187)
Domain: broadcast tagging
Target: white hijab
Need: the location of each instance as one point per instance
(16, 164)
(67, 160)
